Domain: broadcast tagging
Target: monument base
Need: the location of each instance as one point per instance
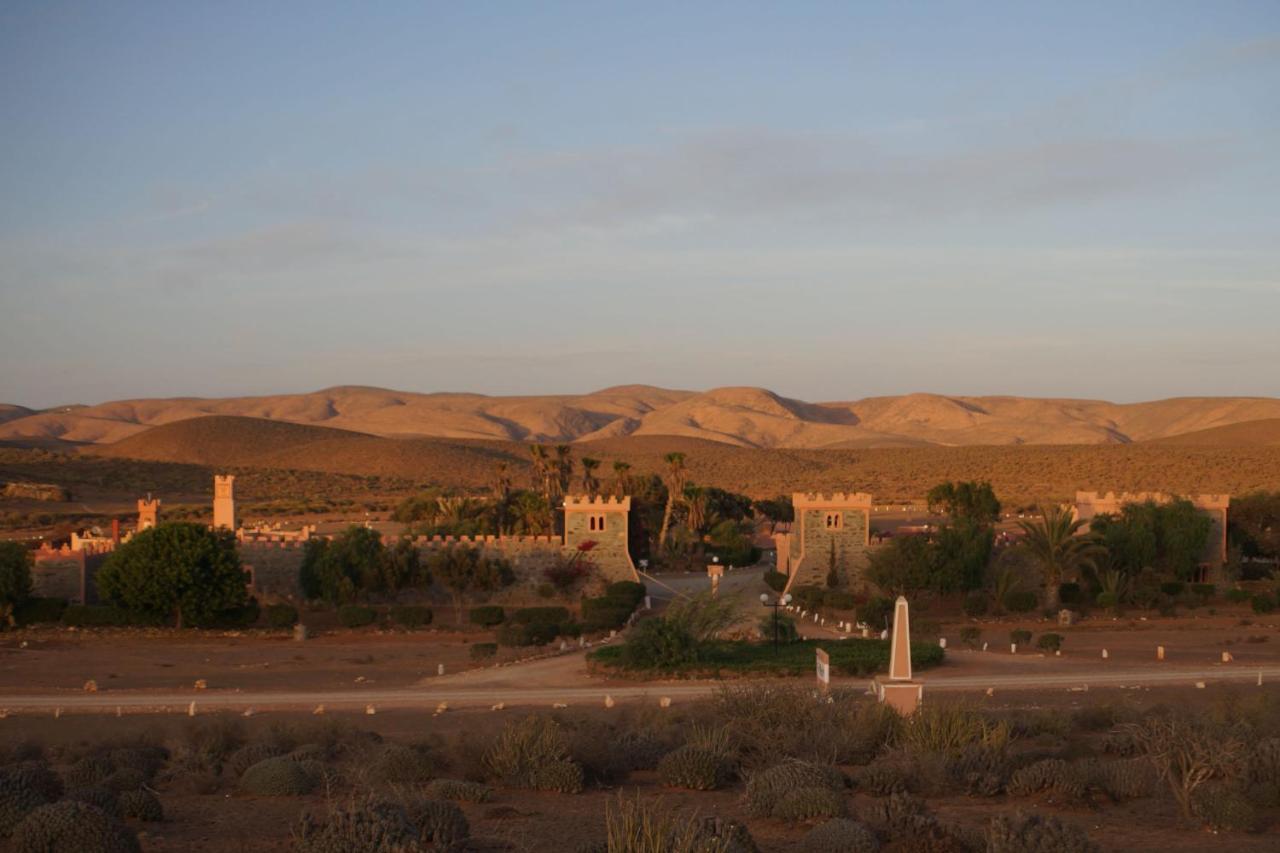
(902, 696)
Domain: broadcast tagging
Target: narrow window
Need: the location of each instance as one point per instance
(591, 522)
(600, 523)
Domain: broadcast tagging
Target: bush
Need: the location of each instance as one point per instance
(776, 581)
(1020, 636)
(767, 789)
(125, 779)
(277, 777)
(488, 615)
(529, 753)
(1223, 806)
(282, 615)
(1123, 779)
(631, 593)
(875, 612)
(247, 756)
(1205, 591)
(1108, 600)
(397, 764)
(89, 770)
(536, 634)
(438, 822)
(71, 825)
(551, 615)
(1021, 601)
(778, 626)
(970, 635)
(483, 651)
(1173, 589)
(18, 797)
(976, 604)
(103, 616)
(634, 825)
(34, 775)
(839, 599)
(695, 768)
(839, 835)
(563, 777)
(1070, 594)
(1032, 833)
(141, 805)
(370, 826)
(36, 610)
(1050, 774)
(1238, 596)
(605, 614)
(454, 789)
(356, 615)
(1050, 642)
(1262, 603)
(883, 778)
(411, 615)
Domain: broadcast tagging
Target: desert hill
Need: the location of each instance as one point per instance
(1260, 433)
(740, 416)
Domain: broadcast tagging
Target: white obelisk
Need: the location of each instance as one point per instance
(899, 691)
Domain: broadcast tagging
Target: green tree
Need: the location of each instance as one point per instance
(180, 570)
(675, 490)
(833, 573)
(590, 484)
(354, 562)
(15, 578)
(1056, 547)
(777, 510)
(966, 501)
(903, 567)
(531, 514)
(1255, 524)
(621, 478)
(1169, 538)
(467, 571)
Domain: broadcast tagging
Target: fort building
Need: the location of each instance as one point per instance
(1090, 504)
(148, 512)
(828, 530)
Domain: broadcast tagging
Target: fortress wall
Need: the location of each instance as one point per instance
(841, 521)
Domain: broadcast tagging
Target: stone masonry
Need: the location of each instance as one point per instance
(840, 520)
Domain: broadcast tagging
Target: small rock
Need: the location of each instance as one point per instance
(318, 711)
(91, 686)
(498, 707)
(202, 684)
(664, 702)
(370, 710)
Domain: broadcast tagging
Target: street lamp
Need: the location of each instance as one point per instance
(782, 601)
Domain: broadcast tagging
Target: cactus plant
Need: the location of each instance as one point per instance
(563, 777)
(839, 835)
(1050, 774)
(277, 777)
(71, 825)
(809, 803)
(766, 789)
(695, 768)
(97, 795)
(438, 821)
(142, 805)
(247, 756)
(369, 826)
(1032, 833)
(454, 789)
(18, 797)
(397, 764)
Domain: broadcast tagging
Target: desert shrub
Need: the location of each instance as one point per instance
(808, 596)
(1108, 600)
(630, 593)
(89, 770)
(37, 610)
(1223, 806)
(976, 603)
(1264, 761)
(141, 805)
(1237, 596)
(71, 825)
(368, 826)
(839, 835)
(874, 612)
(205, 742)
(411, 615)
(1020, 601)
(1050, 642)
(356, 615)
(535, 634)
(125, 779)
(311, 752)
(483, 651)
(533, 753)
(642, 749)
(883, 778)
(398, 764)
(35, 775)
(633, 826)
(97, 795)
(17, 798)
(550, 615)
(905, 817)
(247, 756)
(950, 729)
(1070, 594)
(981, 769)
(780, 627)
(1093, 718)
(148, 760)
(776, 581)
(282, 615)
(605, 614)
(1050, 774)
(1123, 779)
(767, 788)
(695, 768)
(1032, 833)
(277, 777)
(809, 803)
(1021, 636)
(839, 599)
(598, 749)
(456, 789)
(1262, 603)
(488, 615)
(970, 635)
(1173, 589)
(439, 822)
(1204, 591)
(1187, 752)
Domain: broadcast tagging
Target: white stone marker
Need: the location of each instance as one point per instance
(1159, 652)
(440, 669)
(1104, 654)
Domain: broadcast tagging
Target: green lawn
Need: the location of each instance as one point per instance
(856, 657)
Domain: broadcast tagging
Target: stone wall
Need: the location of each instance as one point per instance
(842, 521)
(603, 521)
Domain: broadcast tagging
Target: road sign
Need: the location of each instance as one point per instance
(824, 668)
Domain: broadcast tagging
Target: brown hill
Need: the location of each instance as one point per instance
(743, 416)
(1259, 433)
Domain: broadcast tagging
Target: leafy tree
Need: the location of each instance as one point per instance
(731, 542)
(563, 469)
(15, 577)
(531, 514)
(903, 567)
(356, 562)
(467, 571)
(1058, 549)
(675, 490)
(180, 570)
(1255, 524)
(966, 501)
(1169, 538)
(778, 510)
(833, 573)
(962, 552)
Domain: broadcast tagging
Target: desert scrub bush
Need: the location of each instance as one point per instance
(598, 749)
(1223, 806)
(637, 826)
(1187, 752)
(367, 826)
(125, 779)
(1237, 596)
(322, 775)
(905, 819)
(411, 615)
(1264, 762)
(839, 835)
(438, 822)
(277, 777)
(1050, 642)
(970, 635)
(141, 805)
(356, 615)
(488, 615)
(17, 799)
(89, 770)
(72, 826)
(766, 789)
(1020, 636)
(398, 764)
(533, 753)
(97, 795)
(882, 778)
(311, 752)
(148, 760)
(282, 615)
(533, 634)
(1032, 833)
(695, 768)
(1050, 774)
(949, 729)
(205, 742)
(247, 756)
(457, 789)
(802, 804)
(35, 775)
(1123, 779)
(483, 651)
(643, 749)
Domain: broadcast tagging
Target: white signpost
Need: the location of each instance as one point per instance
(824, 669)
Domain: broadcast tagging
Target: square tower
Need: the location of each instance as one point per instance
(148, 513)
(604, 522)
(224, 502)
(836, 525)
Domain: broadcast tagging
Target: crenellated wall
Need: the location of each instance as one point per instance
(840, 521)
(1089, 504)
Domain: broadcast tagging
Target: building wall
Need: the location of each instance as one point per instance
(810, 543)
(603, 521)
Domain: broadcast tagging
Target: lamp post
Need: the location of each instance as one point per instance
(782, 601)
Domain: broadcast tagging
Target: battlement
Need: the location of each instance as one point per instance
(599, 502)
(262, 542)
(815, 500)
(436, 541)
(1112, 499)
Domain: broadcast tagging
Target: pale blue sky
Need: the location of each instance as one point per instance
(833, 200)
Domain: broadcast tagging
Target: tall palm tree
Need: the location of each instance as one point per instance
(590, 484)
(502, 494)
(541, 469)
(532, 514)
(563, 468)
(695, 498)
(1053, 542)
(621, 478)
(675, 491)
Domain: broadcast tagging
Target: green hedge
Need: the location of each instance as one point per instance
(630, 593)
(839, 599)
(535, 634)
(411, 615)
(36, 610)
(356, 615)
(227, 620)
(105, 616)
(1204, 590)
(487, 615)
(282, 615)
(851, 657)
(1022, 601)
(1238, 596)
(540, 615)
(605, 614)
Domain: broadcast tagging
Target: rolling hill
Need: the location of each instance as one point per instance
(1260, 433)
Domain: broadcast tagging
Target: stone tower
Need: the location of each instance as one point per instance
(825, 524)
(604, 522)
(148, 513)
(224, 502)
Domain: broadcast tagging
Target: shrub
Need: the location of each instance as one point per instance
(1205, 591)
(950, 730)
(89, 770)
(438, 821)
(564, 777)
(356, 615)
(454, 789)
(125, 779)
(776, 581)
(488, 615)
(1238, 596)
(141, 805)
(1123, 779)
(483, 651)
(976, 604)
(874, 612)
(634, 825)
(1108, 600)
(1223, 806)
(1262, 603)
(630, 593)
(411, 615)
(1173, 589)
(695, 768)
(839, 599)
(839, 835)
(1020, 636)
(277, 777)
(397, 764)
(1050, 774)
(1070, 594)
(970, 635)
(369, 826)
(37, 610)
(882, 778)
(551, 615)
(36, 776)
(102, 616)
(605, 614)
(1050, 642)
(17, 798)
(321, 774)
(809, 803)
(1020, 601)
(642, 749)
(282, 615)
(779, 626)
(71, 825)
(766, 789)
(528, 753)
(1031, 833)
(536, 634)
(247, 756)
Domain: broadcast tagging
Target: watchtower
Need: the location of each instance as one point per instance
(602, 521)
(827, 528)
(224, 502)
(148, 513)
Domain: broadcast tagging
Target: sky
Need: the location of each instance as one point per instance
(831, 200)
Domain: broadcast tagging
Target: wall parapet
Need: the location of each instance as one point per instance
(856, 500)
(599, 502)
(1203, 501)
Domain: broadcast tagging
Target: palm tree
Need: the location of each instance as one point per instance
(621, 478)
(695, 498)
(590, 484)
(502, 494)
(563, 468)
(1053, 543)
(541, 469)
(675, 489)
(531, 513)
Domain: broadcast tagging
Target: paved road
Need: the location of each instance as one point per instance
(460, 691)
